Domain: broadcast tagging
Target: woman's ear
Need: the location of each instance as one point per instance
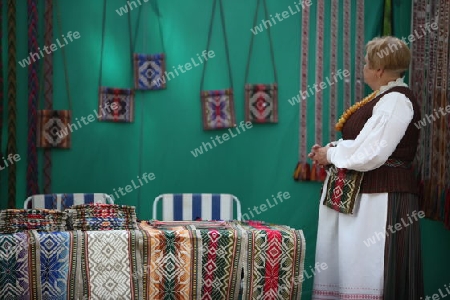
(380, 73)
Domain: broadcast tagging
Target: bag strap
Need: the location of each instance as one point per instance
(227, 52)
(48, 98)
(138, 23)
(103, 45)
(272, 53)
(48, 91)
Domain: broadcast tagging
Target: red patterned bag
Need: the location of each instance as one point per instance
(261, 103)
(218, 109)
(261, 100)
(116, 105)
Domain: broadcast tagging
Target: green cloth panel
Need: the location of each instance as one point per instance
(253, 165)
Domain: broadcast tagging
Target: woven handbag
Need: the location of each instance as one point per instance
(217, 105)
(261, 103)
(115, 104)
(149, 69)
(261, 100)
(54, 129)
(218, 109)
(342, 189)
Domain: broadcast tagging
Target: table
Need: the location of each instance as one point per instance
(160, 260)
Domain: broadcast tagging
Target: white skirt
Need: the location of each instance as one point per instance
(352, 247)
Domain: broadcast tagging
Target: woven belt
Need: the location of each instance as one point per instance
(397, 163)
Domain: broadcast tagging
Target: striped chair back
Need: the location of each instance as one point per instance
(63, 201)
(188, 207)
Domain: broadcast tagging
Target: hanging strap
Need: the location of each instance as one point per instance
(359, 65)
(333, 90)
(46, 73)
(304, 84)
(103, 44)
(441, 125)
(272, 54)
(1, 88)
(138, 23)
(417, 80)
(209, 42)
(33, 94)
(319, 69)
(1, 83)
(347, 51)
(316, 169)
(48, 88)
(12, 105)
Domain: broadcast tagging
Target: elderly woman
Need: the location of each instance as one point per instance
(368, 233)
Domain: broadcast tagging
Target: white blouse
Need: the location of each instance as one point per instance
(380, 135)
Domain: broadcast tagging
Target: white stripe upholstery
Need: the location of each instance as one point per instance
(40, 202)
(183, 207)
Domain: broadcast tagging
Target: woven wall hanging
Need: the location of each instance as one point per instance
(430, 82)
(261, 100)
(12, 100)
(33, 94)
(48, 90)
(1, 89)
(115, 104)
(149, 69)
(53, 126)
(304, 171)
(217, 105)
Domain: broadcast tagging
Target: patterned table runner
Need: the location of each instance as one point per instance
(174, 262)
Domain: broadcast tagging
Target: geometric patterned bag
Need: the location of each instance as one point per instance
(217, 105)
(218, 109)
(116, 105)
(261, 100)
(342, 189)
(53, 130)
(261, 103)
(149, 71)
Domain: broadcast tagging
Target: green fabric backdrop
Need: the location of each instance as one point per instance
(253, 166)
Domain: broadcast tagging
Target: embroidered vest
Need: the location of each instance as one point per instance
(390, 177)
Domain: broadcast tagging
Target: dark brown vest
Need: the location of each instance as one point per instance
(388, 179)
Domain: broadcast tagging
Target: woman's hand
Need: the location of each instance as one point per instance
(319, 154)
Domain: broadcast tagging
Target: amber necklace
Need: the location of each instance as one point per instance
(352, 109)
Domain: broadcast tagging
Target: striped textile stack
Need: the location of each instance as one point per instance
(46, 220)
(99, 216)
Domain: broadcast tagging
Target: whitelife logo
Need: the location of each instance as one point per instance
(124, 9)
(187, 66)
(33, 57)
(263, 207)
(265, 24)
(318, 87)
(198, 151)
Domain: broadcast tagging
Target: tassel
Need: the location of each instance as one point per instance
(306, 172)
(314, 174)
(322, 173)
(298, 171)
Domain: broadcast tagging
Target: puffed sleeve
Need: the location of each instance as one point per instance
(378, 138)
